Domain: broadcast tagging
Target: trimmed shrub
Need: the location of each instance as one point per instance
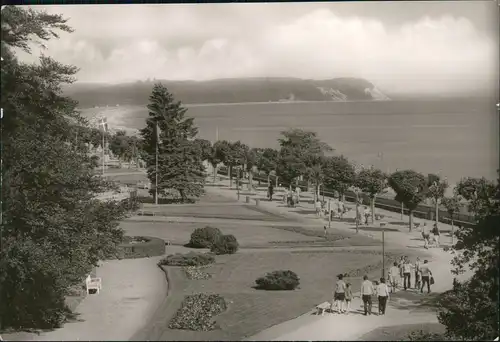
(225, 244)
(278, 280)
(204, 237)
(134, 247)
(197, 311)
(189, 259)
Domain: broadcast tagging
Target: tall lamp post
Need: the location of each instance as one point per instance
(104, 123)
(382, 225)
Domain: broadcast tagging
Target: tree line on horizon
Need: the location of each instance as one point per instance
(54, 231)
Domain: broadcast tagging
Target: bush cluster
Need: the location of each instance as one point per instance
(197, 311)
(204, 237)
(225, 244)
(189, 259)
(278, 280)
(196, 273)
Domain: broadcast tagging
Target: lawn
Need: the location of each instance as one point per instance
(249, 310)
(179, 233)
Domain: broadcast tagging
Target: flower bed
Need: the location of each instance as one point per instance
(196, 273)
(197, 312)
(135, 247)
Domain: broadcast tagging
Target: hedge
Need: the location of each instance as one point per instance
(225, 244)
(147, 247)
(204, 237)
(189, 259)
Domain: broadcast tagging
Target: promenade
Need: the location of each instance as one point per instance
(351, 327)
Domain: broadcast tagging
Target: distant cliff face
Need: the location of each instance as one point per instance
(229, 91)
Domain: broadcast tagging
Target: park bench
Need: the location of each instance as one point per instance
(93, 284)
(321, 308)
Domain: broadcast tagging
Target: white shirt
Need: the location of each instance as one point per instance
(366, 288)
(407, 267)
(382, 290)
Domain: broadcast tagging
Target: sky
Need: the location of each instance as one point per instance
(401, 47)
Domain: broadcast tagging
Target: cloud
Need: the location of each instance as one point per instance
(439, 54)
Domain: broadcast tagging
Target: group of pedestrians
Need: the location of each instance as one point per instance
(401, 272)
(343, 295)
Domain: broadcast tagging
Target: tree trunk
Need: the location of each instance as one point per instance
(183, 196)
(230, 174)
(410, 214)
(372, 205)
(250, 180)
(452, 230)
(215, 173)
(437, 211)
(357, 210)
(402, 211)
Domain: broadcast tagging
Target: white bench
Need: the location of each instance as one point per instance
(93, 284)
(321, 308)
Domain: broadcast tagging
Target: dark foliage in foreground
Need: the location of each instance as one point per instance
(189, 259)
(197, 312)
(278, 280)
(54, 230)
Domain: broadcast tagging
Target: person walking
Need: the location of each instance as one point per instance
(318, 208)
(407, 266)
(348, 297)
(367, 292)
(435, 232)
(400, 266)
(426, 275)
(425, 235)
(324, 228)
(383, 296)
(394, 277)
(340, 209)
(270, 191)
(367, 214)
(417, 273)
(339, 295)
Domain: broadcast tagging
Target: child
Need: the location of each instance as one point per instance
(339, 294)
(348, 297)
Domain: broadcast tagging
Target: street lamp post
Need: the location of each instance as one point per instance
(238, 183)
(382, 224)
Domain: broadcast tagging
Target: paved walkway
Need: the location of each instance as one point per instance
(355, 325)
(132, 290)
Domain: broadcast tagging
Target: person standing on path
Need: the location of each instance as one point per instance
(407, 273)
(367, 214)
(339, 295)
(417, 274)
(297, 191)
(425, 235)
(324, 228)
(435, 232)
(383, 296)
(270, 191)
(400, 265)
(348, 297)
(367, 292)
(318, 208)
(394, 277)
(426, 275)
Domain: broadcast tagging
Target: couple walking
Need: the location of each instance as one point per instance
(427, 236)
(368, 290)
(343, 295)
